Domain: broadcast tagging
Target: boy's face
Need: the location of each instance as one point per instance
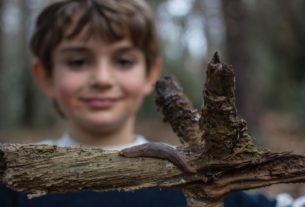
(99, 86)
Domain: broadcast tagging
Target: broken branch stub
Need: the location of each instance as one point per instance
(178, 110)
(217, 132)
(225, 134)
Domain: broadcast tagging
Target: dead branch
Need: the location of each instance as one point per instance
(214, 141)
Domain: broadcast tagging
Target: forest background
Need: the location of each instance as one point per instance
(263, 40)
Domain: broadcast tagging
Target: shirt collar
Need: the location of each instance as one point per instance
(67, 141)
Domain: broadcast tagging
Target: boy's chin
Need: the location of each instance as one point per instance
(104, 126)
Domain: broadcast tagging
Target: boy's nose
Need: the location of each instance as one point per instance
(102, 77)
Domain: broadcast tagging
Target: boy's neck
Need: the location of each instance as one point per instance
(122, 136)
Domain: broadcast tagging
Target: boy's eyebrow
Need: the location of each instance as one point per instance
(84, 49)
(73, 49)
(125, 49)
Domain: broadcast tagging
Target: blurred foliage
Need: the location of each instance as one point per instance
(190, 31)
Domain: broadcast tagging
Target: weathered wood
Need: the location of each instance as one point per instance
(215, 142)
(178, 110)
(40, 169)
(225, 133)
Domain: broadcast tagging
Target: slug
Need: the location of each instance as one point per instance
(161, 151)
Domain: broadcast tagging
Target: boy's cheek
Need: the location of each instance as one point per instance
(66, 96)
(135, 85)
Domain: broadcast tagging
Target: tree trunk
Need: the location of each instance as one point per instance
(1, 60)
(239, 49)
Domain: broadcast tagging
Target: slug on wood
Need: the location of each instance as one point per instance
(161, 151)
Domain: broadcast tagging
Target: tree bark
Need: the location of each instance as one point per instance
(214, 141)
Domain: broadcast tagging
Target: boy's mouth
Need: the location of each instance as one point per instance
(100, 103)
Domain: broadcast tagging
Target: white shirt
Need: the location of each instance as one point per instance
(67, 141)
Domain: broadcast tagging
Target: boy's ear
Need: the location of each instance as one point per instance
(41, 77)
(153, 75)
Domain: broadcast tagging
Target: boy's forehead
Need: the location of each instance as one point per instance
(87, 36)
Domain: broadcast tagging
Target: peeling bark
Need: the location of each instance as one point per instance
(225, 133)
(215, 142)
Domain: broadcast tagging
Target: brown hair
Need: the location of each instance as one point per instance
(112, 20)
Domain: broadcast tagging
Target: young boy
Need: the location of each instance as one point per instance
(96, 60)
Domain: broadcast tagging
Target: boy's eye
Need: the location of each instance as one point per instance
(125, 63)
(77, 63)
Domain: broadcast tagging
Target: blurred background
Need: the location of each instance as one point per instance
(263, 40)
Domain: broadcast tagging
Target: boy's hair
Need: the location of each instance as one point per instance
(112, 20)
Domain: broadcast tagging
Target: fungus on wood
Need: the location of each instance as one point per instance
(214, 142)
